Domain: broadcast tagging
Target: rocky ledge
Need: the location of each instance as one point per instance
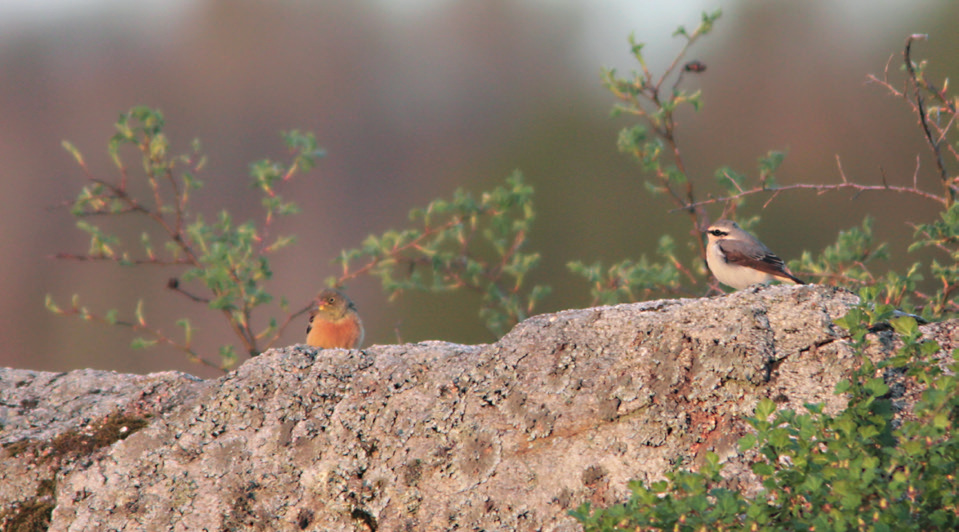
(566, 408)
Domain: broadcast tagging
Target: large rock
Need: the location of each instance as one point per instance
(567, 407)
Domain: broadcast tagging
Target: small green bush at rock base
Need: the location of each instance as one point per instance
(855, 470)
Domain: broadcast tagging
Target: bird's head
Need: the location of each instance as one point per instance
(724, 229)
(332, 304)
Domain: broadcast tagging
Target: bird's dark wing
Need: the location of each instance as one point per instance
(736, 252)
(309, 324)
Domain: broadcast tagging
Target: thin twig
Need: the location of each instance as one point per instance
(174, 284)
(921, 111)
(823, 188)
(156, 334)
(105, 258)
(286, 323)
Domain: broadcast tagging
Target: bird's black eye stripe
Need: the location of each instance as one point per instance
(717, 232)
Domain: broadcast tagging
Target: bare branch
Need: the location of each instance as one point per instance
(821, 189)
(105, 258)
(923, 119)
(155, 334)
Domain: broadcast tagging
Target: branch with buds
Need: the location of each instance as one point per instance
(225, 264)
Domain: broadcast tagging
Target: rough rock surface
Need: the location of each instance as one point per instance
(567, 407)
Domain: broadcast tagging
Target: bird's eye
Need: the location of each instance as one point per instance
(331, 300)
(716, 232)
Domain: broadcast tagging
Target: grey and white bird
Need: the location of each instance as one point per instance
(738, 259)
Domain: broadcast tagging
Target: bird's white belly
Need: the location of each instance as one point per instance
(735, 276)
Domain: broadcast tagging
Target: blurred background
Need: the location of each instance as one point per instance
(412, 99)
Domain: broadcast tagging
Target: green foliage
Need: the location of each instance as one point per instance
(734, 183)
(684, 501)
(652, 142)
(222, 264)
(942, 235)
(848, 259)
(464, 242)
(847, 263)
(632, 281)
(855, 470)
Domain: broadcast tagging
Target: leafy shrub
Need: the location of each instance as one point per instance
(221, 263)
(851, 471)
(466, 242)
(470, 243)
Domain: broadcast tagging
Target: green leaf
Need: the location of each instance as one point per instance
(747, 442)
(765, 408)
(771, 162)
(184, 324)
(763, 469)
(941, 421)
(74, 152)
(51, 305)
(843, 387)
(877, 387)
(138, 313)
(142, 343)
(905, 325)
(228, 356)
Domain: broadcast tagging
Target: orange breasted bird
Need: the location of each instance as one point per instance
(334, 322)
